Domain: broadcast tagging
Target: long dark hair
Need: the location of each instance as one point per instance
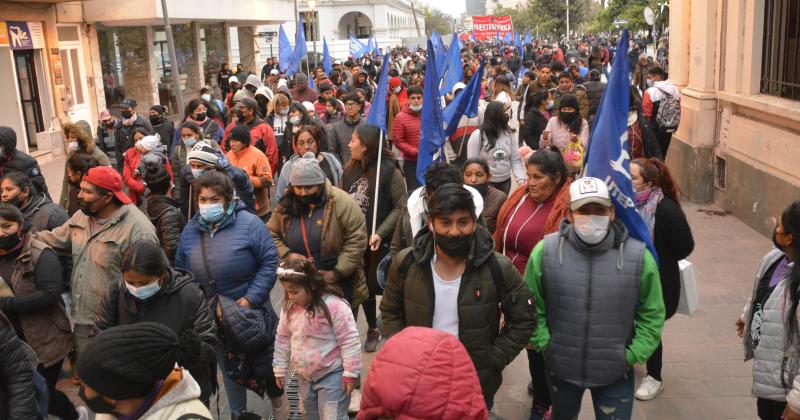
(493, 125)
(302, 272)
(314, 131)
(656, 172)
(146, 257)
(369, 136)
(790, 220)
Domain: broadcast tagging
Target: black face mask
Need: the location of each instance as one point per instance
(567, 117)
(200, 117)
(457, 246)
(9, 242)
(86, 208)
(110, 124)
(155, 119)
(251, 89)
(127, 114)
(775, 240)
(308, 200)
(97, 404)
(482, 188)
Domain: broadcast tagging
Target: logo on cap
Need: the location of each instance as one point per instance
(587, 186)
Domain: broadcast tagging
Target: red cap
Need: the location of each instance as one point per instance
(108, 179)
(394, 82)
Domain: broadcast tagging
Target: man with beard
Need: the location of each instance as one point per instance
(96, 236)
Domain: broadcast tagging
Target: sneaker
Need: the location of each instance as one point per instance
(649, 388)
(83, 412)
(355, 402)
(373, 337)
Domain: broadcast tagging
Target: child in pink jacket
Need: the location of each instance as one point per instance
(318, 329)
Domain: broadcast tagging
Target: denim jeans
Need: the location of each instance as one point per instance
(237, 394)
(611, 402)
(325, 399)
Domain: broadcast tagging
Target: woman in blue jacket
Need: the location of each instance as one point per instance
(231, 254)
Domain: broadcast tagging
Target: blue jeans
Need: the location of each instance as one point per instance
(613, 401)
(325, 399)
(237, 394)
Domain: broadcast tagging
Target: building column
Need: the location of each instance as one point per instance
(691, 154)
(247, 49)
(95, 69)
(197, 66)
(228, 57)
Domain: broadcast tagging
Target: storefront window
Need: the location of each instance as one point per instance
(212, 51)
(123, 58)
(188, 67)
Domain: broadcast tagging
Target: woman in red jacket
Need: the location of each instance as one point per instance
(147, 149)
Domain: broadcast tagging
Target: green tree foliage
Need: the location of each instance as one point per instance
(437, 21)
(550, 16)
(633, 12)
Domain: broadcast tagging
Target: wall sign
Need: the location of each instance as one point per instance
(3, 34)
(25, 35)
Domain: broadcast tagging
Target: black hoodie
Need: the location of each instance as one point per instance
(12, 160)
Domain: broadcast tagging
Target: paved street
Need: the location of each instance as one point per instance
(704, 375)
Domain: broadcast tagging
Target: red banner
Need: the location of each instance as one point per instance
(486, 28)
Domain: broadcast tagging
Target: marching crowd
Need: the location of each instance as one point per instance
(154, 270)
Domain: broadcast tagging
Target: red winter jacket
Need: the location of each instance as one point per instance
(135, 183)
(405, 133)
(422, 373)
(261, 137)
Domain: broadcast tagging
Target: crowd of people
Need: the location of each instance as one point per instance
(154, 270)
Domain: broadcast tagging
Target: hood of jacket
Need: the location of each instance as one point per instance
(8, 140)
(184, 391)
(416, 207)
(253, 80)
(481, 249)
(617, 234)
(36, 202)
(155, 205)
(177, 279)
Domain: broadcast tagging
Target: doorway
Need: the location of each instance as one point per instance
(29, 96)
(74, 72)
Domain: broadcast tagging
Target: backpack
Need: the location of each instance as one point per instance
(668, 116)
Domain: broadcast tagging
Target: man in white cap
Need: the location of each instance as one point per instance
(598, 305)
(272, 80)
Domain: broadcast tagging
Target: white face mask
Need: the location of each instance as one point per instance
(397, 89)
(294, 120)
(206, 97)
(415, 108)
(591, 229)
(72, 146)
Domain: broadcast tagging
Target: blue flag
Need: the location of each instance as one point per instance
(473, 37)
(518, 43)
(527, 38)
(441, 54)
(327, 63)
(454, 69)
(465, 103)
(377, 113)
(285, 54)
(608, 157)
(507, 38)
(300, 49)
(357, 48)
(431, 136)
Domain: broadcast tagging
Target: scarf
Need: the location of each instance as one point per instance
(129, 122)
(646, 204)
(559, 211)
(23, 239)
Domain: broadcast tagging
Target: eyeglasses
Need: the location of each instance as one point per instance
(350, 105)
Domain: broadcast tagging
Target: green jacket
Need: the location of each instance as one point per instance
(649, 312)
(409, 301)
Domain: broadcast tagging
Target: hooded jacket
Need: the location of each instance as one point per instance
(17, 396)
(43, 213)
(123, 136)
(163, 211)
(241, 185)
(13, 160)
(179, 399)
(179, 304)
(405, 133)
(286, 173)
(408, 300)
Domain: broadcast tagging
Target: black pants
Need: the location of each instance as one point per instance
(59, 404)
(769, 409)
(664, 139)
(655, 361)
(541, 392)
(410, 173)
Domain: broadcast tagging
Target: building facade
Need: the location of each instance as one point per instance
(738, 66)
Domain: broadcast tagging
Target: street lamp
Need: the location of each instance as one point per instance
(312, 4)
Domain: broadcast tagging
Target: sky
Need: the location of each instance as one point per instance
(454, 7)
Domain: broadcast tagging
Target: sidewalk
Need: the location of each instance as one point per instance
(704, 376)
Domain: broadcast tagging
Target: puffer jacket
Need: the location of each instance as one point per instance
(179, 304)
(344, 233)
(594, 92)
(43, 213)
(16, 161)
(241, 256)
(17, 396)
(405, 133)
(409, 301)
(123, 136)
(491, 206)
(427, 356)
(249, 331)
(164, 213)
(180, 401)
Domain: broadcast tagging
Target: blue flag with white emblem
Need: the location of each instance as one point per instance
(465, 103)
(608, 158)
(327, 64)
(454, 69)
(285, 53)
(377, 113)
(431, 136)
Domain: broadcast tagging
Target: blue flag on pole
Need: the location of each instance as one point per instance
(285, 54)
(441, 54)
(518, 43)
(527, 38)
(357, 48)
(466, 103)
(473, 37)
(377, 113)
(431, 136)
(507, 38)
(300, 49)
(608, 157)
(454, 69)
(327, 63)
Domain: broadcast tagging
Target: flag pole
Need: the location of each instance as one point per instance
(377, 187)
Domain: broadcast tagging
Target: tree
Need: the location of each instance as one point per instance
(550, 16)
(633, 12)
(436, 21)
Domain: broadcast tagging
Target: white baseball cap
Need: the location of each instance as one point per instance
(588, 190)
(274, 72)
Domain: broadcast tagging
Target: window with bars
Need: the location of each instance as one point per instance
(780, 67)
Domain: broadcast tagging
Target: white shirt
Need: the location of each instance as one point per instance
(445, 309)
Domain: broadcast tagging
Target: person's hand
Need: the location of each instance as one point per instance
(789, 414)
(374, 242)
(740, 327)
(546, 136)
(279, 381)
(348, 386)
(328, 276)
(244, 303)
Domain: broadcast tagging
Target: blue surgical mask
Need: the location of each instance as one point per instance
(649, 83)
(190, 142)
(197, 172)
(550, 104)
(212, 213)
(143, 292)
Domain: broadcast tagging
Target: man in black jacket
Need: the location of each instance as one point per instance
(123, 132)
(13, 160)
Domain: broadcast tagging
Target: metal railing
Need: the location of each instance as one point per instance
(780, 66)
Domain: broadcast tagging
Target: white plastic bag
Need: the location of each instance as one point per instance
(688, 302)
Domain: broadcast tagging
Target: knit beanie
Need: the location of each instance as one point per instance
(239, 95)
(155, 175)
(306, 171)
(150, 143)
(126, 362)
(203, 153)
(240, 133)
